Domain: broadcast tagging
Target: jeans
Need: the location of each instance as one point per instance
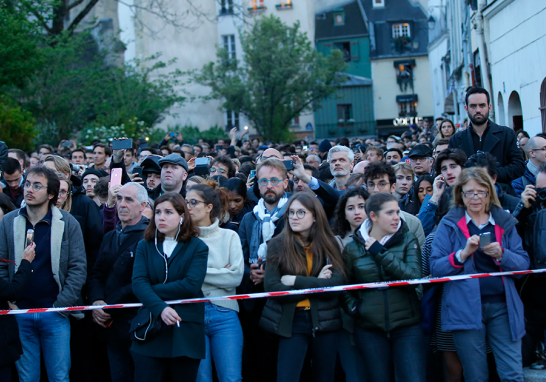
(351, 359)
(122, 367)
(178, 369)
(292, 351)
(224, 344)
(49, 332)
(470, 345)
(400, 354)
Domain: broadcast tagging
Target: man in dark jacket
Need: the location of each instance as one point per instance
(13, 179)
(111, 278)
(536, 150)
(484, 135)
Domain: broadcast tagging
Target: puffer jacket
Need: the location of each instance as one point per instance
(278, 312)
(384, 308)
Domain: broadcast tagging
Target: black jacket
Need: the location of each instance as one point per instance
(87, 213)
(500, 141)
(10, 345)
(3, 153)
(19, 197)
(111, 277)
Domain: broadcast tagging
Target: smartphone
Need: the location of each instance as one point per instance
(138, 170)
(173, 134)
(30, 237)
(202, 161)
(288, 164)
(252, 174)
(201, 166)
(219, 147)
(115, 177)
(305, 147)
(66, 144)
(122, 144)
(485, 239)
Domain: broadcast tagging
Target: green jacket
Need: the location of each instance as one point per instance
(398, 259)
(278, 312)
(187, 269)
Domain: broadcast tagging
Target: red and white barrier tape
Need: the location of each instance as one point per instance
(339, 288)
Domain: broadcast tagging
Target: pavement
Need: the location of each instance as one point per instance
(534, 375)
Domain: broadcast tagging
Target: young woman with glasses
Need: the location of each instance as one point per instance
(304, 255)
(478, 236)
(225, 267)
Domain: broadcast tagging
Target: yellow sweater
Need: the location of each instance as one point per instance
(309, 255)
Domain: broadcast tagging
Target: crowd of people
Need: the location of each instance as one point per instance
(152, 223)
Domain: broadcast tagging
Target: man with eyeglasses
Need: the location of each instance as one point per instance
(13, 180)
(59, 273)
(222, 165)
(380, 177)
(536, 150)
(421, 160)
(485, 135)
(257, 228)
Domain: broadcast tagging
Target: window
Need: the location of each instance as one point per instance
(407, 109)
(232, 120)
(401, 30)
(345, 48)
(229, 45)
(344, 114)
(284, 4)
(477, 68)
(227, 7)
(378, 3)
(256, 4)
(339, 17)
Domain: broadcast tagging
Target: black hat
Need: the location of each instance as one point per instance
(92, 171)
(174, 159)
(421, 150)
(325, 146)
(151, 165)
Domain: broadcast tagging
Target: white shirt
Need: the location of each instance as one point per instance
(168, 246)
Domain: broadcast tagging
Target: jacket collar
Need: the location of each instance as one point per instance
(504, 220)
(47, 218)
(140, 226)
(395, 238)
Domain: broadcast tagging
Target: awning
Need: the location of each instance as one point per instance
(449, 104)
(406, 98)
(404, 63)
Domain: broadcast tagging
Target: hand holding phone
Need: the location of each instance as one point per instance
(485, 239)
(115, 177)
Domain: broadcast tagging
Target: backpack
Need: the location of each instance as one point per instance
(538, 240)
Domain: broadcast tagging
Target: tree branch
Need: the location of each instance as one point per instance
(81, 15)
(74, 4)
(41, 19)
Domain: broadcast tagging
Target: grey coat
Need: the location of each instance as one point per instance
(68, 260)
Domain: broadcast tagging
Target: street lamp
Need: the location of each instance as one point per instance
(431, 23)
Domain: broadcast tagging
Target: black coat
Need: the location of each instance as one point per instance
(87, 213)
(111, 277)
(500, 141)
(187, 267)
(10, 344)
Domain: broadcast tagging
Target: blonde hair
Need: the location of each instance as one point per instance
(68, 202)
(480, 176)
(404, 167)
(61, 164)
(274, 163)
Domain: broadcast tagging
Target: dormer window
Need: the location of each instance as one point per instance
(378, 3)
(339, 17)
(401, 30)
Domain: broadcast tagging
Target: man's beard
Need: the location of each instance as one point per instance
(271, 197)
(479, 120)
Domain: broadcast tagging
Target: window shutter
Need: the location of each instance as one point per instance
(355, 51)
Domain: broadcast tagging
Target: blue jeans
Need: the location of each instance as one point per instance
(470, 345)
(399, 355)
(224, 344)
(49, 332)
(351, 359)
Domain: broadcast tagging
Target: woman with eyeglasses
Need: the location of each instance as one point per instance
(478, 236)
(387, 329)
(303, 256)
(170, 264)
(64, 201)
(225, 267)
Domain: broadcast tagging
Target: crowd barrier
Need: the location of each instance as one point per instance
(339, 288)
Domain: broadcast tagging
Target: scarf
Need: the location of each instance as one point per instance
(264, 228)
(366, 228)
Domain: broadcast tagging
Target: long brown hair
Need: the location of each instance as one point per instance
(187, 229)
(287, 250)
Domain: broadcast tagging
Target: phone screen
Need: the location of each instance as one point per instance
(115, 177)
(485, 239)
(202, 161)
(252, 174)
(123, 144)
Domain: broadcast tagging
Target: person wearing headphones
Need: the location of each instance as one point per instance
(170, 264)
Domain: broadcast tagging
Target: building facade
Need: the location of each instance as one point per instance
(350, 111)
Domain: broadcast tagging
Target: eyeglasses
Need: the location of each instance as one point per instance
(419, 160)
(35, 187)
(380, 185)
(542, 149)
(193, 202)
(218, 170)
(263, 182)
(299, 213)
(473, 194)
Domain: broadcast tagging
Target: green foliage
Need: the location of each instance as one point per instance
(133, 129)
(16, 126)
(191, 134)
(76, 89)
(283, 76)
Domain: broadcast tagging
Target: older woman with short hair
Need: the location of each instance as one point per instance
(478, 236)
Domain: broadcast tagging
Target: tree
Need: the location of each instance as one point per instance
(282, 77)
(16, 125)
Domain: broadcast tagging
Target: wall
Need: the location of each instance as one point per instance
(362, 67)
(517, 35)
(386, 89)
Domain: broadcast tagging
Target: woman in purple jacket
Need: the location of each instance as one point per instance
(478, 236)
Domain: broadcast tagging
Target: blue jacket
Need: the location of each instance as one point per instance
(517, 184)
(461, 301)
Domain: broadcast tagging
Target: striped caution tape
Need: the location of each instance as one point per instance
(339, 288)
